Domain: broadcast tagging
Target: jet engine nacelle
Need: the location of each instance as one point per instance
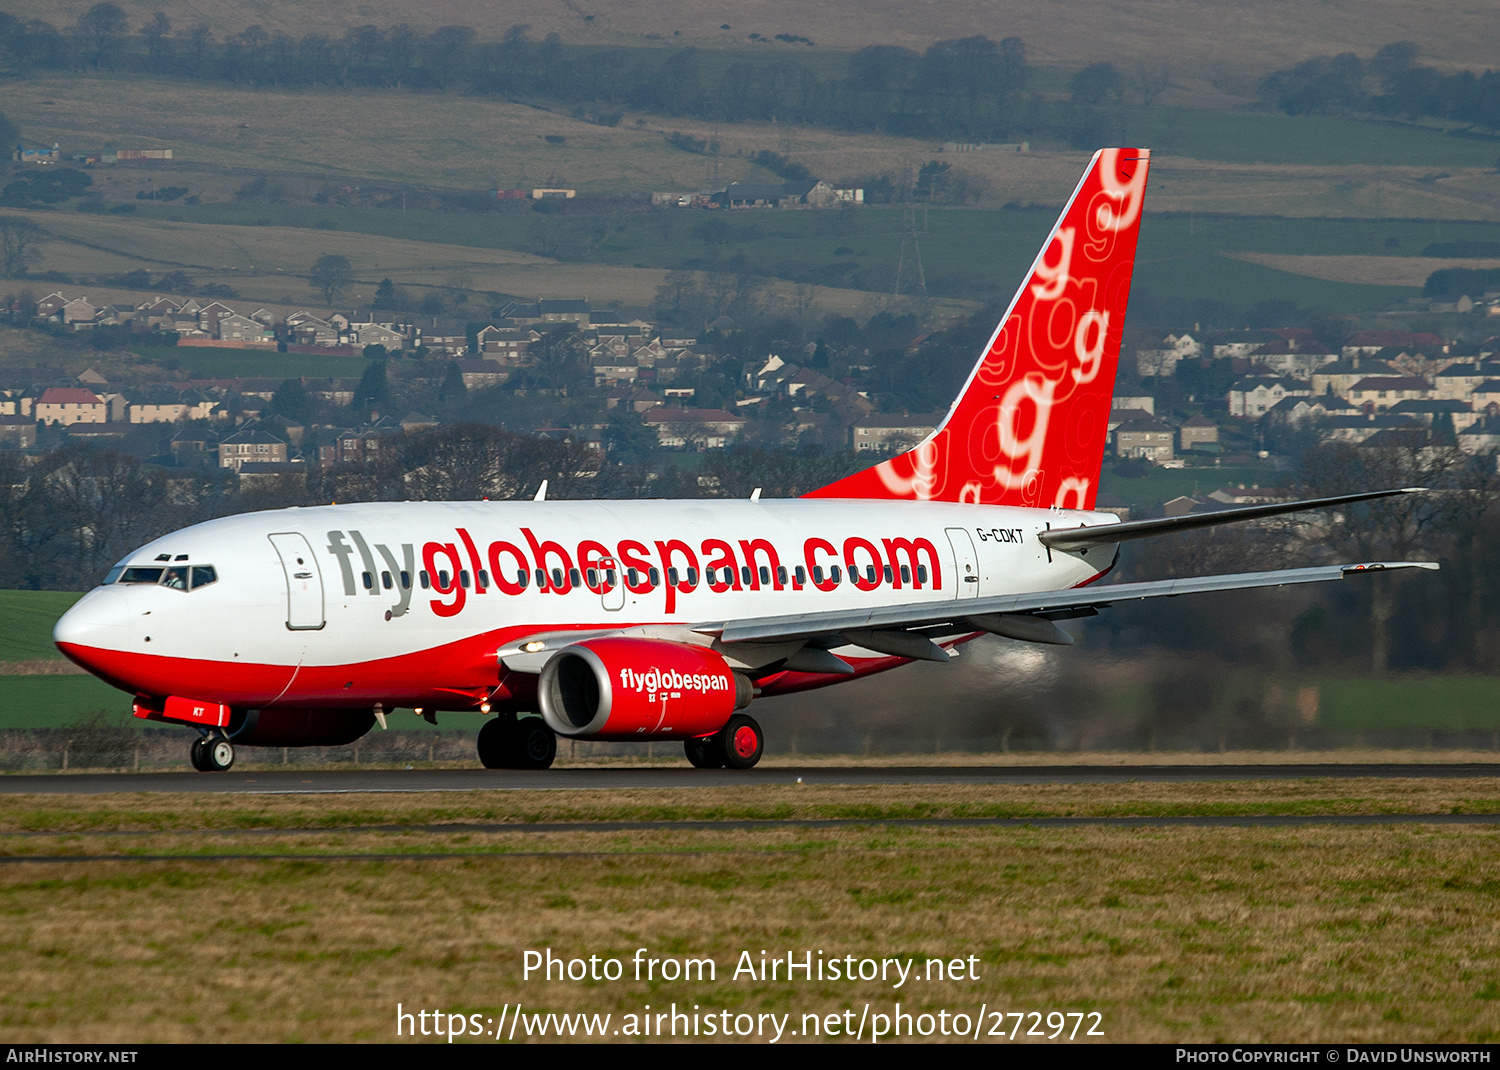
(619, 688)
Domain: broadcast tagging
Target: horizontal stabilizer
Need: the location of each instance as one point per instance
(1066, 539)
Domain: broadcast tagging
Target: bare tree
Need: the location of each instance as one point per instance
(21, 243)
(102, 26)
(331, 275)
(156, 33)
(1388, 529)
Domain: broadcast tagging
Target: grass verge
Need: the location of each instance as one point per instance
(1171, 935)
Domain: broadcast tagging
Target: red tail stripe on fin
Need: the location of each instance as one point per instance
(1029, 426)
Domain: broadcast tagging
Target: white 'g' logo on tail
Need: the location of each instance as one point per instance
(1054, 277)
(1024, 454)
(1089, 355)
(1131, 193)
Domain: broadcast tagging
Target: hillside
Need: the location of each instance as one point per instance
(1207, 42)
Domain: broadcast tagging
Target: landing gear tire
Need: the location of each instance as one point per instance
(703, 752)
(740, 742)
(536, 744)
(211, 754)
(516, 743)
(495, 742)
(218, 755)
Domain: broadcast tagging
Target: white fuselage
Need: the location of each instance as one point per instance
(407, 603)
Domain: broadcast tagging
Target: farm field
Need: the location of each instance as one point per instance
(269, 264)
(967, 253)
(1366, 270)
(1206, 40)
(1207, 159)
(29, 617)
(323, 923)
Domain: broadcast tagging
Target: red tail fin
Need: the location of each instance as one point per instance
(1029, 426)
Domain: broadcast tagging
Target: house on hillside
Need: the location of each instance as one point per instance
(1197, 432)
(251, 445)
(17, 432)
(1149, 439)
(66, 405)
(703, 429)
(893, 433)
(1379, 394)
(1254, 396)
(1164, 361)
(480, 374)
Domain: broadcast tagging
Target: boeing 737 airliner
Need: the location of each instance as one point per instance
(652, 620)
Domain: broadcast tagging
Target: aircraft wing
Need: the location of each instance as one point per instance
(1081, 538)
(1042, 605)
(904, 630)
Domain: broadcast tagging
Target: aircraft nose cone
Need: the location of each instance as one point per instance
(98, 620)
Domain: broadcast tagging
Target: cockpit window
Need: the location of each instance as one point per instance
(141, 575)
(177, 577)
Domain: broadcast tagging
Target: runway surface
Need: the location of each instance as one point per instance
(602, 779)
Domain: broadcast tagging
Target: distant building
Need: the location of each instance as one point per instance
(888, 434)
(1338, 376)
(1254, 396)
(1197, 431)
(247, 446)
(1253, 495)
(71, 405)
(1163, 361)
(1149, 439)
(1379, 394)
(17, 432)
(704, 429)
(479, 374)
(1144, 402)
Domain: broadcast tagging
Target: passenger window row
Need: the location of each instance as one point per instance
(724, 577)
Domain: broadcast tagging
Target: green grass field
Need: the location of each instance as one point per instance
(1447, 703)
(58, 701)
(212, 364)
(248, 918)
(1275, 138)
(1164, 484)
(28, 617)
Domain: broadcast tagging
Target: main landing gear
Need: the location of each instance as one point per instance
(738, 745)
(211, 754)
(508, 742)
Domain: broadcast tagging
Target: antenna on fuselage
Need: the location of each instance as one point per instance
(541, 492)
(755, 495)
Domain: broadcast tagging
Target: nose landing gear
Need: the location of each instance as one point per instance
(211, 754)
